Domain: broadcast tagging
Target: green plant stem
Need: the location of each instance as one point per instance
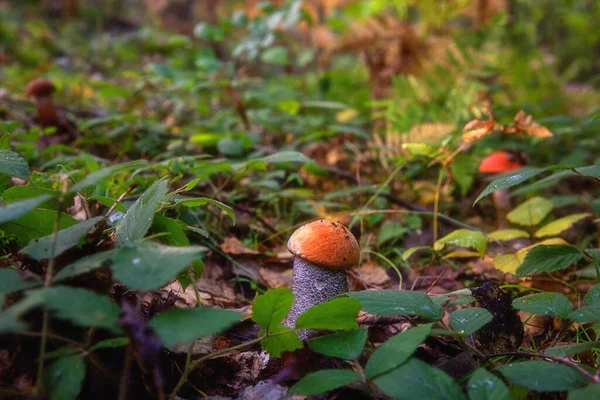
(390, 263)
(39, 384)
(436, 204)
(191, 366)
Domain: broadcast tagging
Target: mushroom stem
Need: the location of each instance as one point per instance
(313, 285)
(46, 112)
(502, 204)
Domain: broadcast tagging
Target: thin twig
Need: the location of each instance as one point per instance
(123, 385)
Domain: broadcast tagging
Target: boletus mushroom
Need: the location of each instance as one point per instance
(322, 251)
(41, 90)
(500, 162)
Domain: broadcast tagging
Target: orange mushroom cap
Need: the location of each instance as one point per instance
(40, 87)
(502, 161)
(326, 243)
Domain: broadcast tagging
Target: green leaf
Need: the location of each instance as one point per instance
(149, 266)
(463, 238)
(396, 351)
(285, 156)
(345, 344)
(12, 211)
(174, 227)
(64, 377)
(557, 227)
(483, 385)
(553, 304)
(176, 326)
(532, 212)
(571, 349)
(592, 297)
(280, 339)
(40, 249)
(589, 392)
(467, 321)
(20, 193)
(99, 175)
(548, 258)
(271, 308)
(509, 180)
(110, 343)
(35, 224)
(200, 201)
(336, 314)
(397, 302)
(503, 235)
(13, 164)
(543, 376)
(80, 306)
(85, 265)
(409, 252)
(324, 381)
(391, 230)
(11, 281)
(277, 55)
(139, 217)
(9, 323)
(419, 380)
(586, 314)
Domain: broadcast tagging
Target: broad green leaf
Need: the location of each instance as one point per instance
(592, 297)
(11, 281)
(99, 175)
(589, 392)
(149, 266)
(324, 381)
(85, 265)
(419, 380)
(510, 262)
(397, 302)
(13, 164)
(548, 258)
(509, 180)
(35, 224)
(280, 339)
(396, 351)
(336, 314)
(406, 255)
(139, 217)
(40, 249)
(345, 344)
(391, 230)
(483, 385)
(463, 238)
(80, 306)
(503, 235)
(557, 227)
(586, 314)
(271, 308)
(200, 201)
(9, 322)
(12, 211)
(20, 193)
(548, 303)
(543, 376)
(64, 378)
(570, 349)
(178, 325)
(277, 55)
(531, 212)
(467, 321)
(110, 343)
(285, 156)
(174, 227)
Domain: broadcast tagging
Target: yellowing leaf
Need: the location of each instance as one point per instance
(462, 254)
(532, 212)
(406, 255)
(560, 225)
(346, 115)
(428, 133)
(463, 238)
(507, 234)
(508, 262)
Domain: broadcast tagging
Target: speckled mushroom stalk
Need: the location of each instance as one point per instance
(323, 250)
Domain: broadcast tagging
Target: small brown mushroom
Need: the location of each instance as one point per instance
(41, 90)
(323, 250)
